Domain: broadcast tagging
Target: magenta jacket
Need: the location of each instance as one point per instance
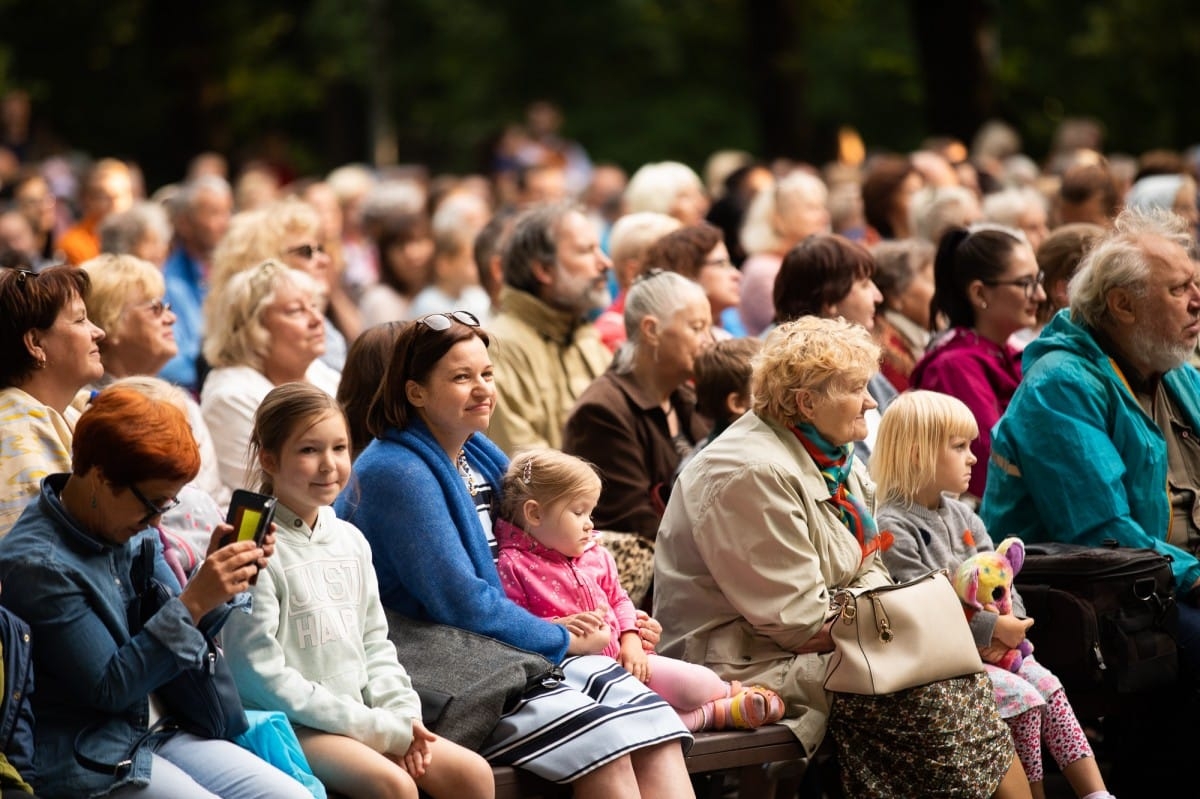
(549, 584)
(981, 373)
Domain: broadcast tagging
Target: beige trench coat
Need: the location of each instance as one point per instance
(748, 555)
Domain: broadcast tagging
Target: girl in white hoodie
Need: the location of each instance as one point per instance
(316, 643)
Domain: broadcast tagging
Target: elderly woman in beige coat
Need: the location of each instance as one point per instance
(763, 526)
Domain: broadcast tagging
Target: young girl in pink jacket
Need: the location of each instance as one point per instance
(550, 564)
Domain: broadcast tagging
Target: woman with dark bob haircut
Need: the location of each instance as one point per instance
(66, 568)
(423, 493)
(49, 350)
(698, 253)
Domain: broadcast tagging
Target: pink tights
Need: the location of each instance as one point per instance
(1055, 725)
(686, 687)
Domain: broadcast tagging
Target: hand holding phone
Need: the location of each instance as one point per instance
(250, 513)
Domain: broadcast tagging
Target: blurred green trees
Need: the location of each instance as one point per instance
(639, 80)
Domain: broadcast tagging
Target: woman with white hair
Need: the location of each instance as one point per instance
(668, 187)
(1175, 193)
(266, 328)
(1023, 208)
(638, 419)
(779, 218)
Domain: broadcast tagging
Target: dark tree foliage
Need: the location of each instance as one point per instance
(639, 80)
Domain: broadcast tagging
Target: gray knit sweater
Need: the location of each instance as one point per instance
(937, 539)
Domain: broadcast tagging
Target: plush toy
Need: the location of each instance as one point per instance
(984, 582)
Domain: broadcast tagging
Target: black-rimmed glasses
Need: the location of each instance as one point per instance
(154, 510)
(306, 251)
(442, 321)
(1027, 284)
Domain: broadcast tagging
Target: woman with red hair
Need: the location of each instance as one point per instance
(66, 568)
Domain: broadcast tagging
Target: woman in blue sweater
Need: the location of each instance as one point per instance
(422, 493)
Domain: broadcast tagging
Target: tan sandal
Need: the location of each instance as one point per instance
(747, 708)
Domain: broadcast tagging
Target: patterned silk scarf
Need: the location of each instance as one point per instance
(834, 463)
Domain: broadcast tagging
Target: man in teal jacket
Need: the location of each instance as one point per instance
(1100, 441)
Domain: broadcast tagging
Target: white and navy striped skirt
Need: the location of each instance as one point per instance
(597, 714)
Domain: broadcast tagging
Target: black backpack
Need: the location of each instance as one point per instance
(1105, 620)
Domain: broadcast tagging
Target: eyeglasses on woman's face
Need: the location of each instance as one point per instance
(1028, 284)
(156, 307)
(442, 321)
(306, 251)
(152, 509)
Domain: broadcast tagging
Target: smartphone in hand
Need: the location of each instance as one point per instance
(250, 513)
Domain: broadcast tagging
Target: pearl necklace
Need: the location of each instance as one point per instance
(464, 470)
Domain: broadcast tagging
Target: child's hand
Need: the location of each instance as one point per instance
(993, 652)
(418, 757)
(632, 658)
(1010, 631)
(649, 629)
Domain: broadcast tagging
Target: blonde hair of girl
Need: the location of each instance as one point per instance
(912, 435)
(544, 476)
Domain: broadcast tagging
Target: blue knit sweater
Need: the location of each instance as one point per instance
(430, 551)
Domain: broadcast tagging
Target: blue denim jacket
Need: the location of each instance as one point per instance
(73, 589)
(16, 721)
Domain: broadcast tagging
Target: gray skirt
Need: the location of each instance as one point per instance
(596, 715)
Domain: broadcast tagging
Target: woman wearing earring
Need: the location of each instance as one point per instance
(988, 286)
(638, 420)
(424, 493)
(49, 350)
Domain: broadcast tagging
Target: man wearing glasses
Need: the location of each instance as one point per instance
(546, 351)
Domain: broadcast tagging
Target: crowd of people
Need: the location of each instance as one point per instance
(634, 423)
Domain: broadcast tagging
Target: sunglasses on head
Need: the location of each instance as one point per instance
(442, 321)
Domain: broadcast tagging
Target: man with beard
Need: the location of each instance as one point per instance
(1108, 412)
(545, 350)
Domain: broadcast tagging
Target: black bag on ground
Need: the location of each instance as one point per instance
(1105, 617)
(466, 681)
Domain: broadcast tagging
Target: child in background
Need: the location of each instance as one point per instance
(722, 383)
(921, 461)
(316, 643)
(550, 565)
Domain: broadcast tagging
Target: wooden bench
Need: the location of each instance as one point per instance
(712, 755)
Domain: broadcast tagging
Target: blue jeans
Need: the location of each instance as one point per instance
(188, 767)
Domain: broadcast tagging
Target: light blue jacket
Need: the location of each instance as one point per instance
(1076, 459)
(73, 591)
(186, 291)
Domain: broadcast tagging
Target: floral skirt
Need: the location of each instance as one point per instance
(945, 739)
